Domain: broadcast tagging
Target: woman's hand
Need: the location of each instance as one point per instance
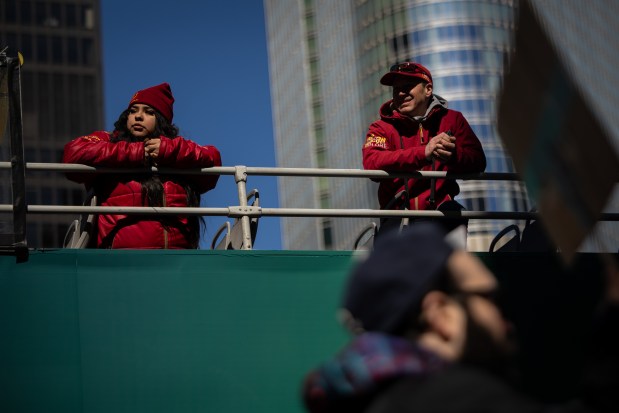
(151, 149)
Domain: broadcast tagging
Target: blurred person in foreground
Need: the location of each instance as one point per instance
(431, 338)
(417, 132)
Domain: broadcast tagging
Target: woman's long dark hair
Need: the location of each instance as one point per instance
(152, 188)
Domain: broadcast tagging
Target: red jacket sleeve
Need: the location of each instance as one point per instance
(469, 157)
(183, 153)
(382, 151)
(97, 150)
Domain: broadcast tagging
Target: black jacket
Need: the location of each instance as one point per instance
(465, 389)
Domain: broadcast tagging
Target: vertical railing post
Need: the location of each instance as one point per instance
(240, 177)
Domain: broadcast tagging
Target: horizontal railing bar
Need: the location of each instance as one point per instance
(269, 171)
(61, 209)
(282, 212)
(362, 173)
(74, 167)
(369, 213)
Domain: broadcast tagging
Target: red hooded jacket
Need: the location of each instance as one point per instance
(131, 231)
(396, 143)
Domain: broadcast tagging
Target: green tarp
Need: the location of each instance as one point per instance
(207, 331)
(146, 331)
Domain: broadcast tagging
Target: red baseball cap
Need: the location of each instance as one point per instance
(406, 69)
(157, 97)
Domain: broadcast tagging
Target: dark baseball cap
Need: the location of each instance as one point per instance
(383, 289)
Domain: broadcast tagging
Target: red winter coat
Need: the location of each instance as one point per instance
(131, 231)
(396, 143)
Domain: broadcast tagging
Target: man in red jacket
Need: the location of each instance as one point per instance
(416, 132)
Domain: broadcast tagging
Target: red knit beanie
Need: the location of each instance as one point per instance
(158, 97)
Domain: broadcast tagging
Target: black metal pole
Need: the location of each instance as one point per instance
(18, 165)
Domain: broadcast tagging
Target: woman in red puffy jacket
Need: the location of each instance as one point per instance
(145, 136)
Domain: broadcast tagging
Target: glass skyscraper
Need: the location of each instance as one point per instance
(317, 122)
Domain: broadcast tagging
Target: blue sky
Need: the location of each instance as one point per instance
(213, 53)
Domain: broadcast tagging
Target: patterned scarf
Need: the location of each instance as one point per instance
(369, 362)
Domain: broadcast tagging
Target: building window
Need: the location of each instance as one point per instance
(30, 155)
(32, 197)
(44, 93)
(327, 234)
(71, 15)
(42, 50)
(62, 196)
(57, 50)
(40, 14)
(321, 158)
(27, 87)
(25, 12)
(88, 112)
(32, 232)
(72, 53)
(46, 155)
(88, 17)
(11, 39)
(77, 197)
(74, 104)
(49, 235)
(10, 12)
(46, 196)
(25, 46)
(55, 18)
(60, 124)
(88, 53)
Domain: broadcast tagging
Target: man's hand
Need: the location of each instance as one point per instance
(442, 147)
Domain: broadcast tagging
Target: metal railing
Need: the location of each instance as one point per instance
(245, 212)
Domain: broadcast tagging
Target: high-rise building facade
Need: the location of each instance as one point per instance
(316, 100)
(326, 59)
(62, 95)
